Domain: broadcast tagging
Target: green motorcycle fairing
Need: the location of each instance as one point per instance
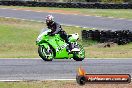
(57, 44)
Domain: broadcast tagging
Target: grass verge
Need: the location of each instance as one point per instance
(17, 40)
(59, 84)
(117, 13)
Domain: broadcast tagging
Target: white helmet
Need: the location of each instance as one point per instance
(49, 18)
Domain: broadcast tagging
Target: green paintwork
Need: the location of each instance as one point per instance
(57, 43)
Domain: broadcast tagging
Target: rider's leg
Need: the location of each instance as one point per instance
(64, 36)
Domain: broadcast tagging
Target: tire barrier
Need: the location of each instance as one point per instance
(68, 4)
(120, 37)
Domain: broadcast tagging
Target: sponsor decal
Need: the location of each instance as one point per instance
(83, 78)
(61, 47)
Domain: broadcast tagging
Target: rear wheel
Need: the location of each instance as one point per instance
(79, 56)
(45, 54)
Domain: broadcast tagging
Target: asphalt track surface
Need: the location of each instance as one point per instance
(103, 23)
(37, 69)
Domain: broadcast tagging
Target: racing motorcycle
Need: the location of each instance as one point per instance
(54, 47)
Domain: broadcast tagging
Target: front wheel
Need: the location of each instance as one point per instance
(45, 54)
(79, 56)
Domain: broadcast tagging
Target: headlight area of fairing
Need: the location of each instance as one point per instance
(39, 39)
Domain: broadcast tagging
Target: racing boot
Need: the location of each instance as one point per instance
(75, 49)
(69, 47)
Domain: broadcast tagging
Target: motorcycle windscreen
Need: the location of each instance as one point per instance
(45, 30)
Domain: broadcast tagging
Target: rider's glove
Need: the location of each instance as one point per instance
(50, 34)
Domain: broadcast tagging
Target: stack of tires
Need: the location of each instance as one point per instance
(120, 37)
(68, 4)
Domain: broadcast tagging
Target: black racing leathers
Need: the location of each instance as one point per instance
(57, 29)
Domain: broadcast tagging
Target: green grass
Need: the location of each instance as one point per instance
(17, 40)
(117, 13)
(34, 84)
(18, 37)
(59, 84)
(122, 51)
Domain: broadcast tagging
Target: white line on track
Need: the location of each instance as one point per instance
(20, 19)
(38, 80)
(21, 58)
(110, 17)
(10, 80)
(39, 21)
(39, 58)
(84, 59)
(60, 79)
(98, 16)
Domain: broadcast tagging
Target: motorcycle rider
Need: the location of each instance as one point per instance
(57, 29)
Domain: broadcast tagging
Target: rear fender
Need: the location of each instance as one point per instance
(74, 37)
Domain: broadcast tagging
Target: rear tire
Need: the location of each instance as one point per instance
(79, 56)
(42, 53)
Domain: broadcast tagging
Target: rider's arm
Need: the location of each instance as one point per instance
(57, 26)
(48, 26)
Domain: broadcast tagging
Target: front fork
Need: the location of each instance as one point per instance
(46, 51)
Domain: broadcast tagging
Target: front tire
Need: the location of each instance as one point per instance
(42, 51)
(79, 56)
